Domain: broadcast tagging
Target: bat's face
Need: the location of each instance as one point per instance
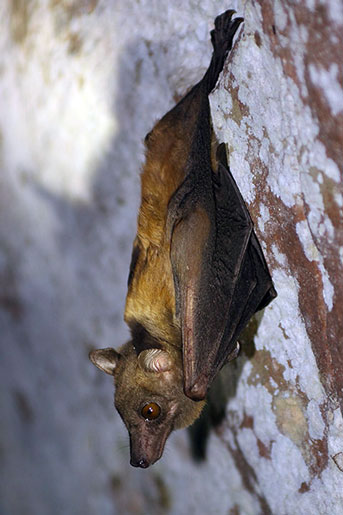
(149, 398)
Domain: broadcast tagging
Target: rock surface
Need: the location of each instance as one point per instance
(81, 82)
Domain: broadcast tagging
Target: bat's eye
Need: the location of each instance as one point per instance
(151, 411)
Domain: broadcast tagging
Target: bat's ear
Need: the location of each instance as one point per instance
(155, 360)
(105, 359)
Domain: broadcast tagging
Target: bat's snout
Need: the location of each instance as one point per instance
(142, 463)
(146, 445)
(142, 460)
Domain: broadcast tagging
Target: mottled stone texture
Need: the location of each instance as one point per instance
(287, 106)
(320, 81)
(81, 82)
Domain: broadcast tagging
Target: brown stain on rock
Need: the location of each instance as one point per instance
(248, 476)
(75, 43)
(289, 404)
(281, 231)
(247, 422)
(325, 328)
(305, 487)
(264, 450)
(258, 39)
(290, 418)
(19, 19)
(75, 8)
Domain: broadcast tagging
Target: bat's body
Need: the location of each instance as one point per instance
(197, 273)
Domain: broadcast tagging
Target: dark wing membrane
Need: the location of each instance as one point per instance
(208, 246)
(254, 247)
(220, 275)
(262, 266)
(254, 290)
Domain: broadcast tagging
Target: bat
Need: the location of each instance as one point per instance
(197, 272)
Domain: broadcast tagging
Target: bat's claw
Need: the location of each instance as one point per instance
(196, 392)
(224, 30)
(221, 36)
(234, 353)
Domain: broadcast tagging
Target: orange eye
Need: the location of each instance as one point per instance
(151, 411)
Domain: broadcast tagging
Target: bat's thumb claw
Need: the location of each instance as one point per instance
(234, 353)
(197, 391)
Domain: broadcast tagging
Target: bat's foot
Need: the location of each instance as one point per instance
(224, 30)
(221, 36)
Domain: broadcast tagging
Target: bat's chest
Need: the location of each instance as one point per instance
(151, 302)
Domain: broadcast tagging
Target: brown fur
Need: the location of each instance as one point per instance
(152, 302)
(151, 307)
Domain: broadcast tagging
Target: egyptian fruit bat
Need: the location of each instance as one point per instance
(197, 272)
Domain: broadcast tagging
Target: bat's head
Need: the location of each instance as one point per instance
(149, 397)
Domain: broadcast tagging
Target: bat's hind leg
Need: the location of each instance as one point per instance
(221, 36)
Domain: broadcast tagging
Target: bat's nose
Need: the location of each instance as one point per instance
(142, 463)
(147, 443)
